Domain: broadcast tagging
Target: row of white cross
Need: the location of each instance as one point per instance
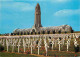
(31, 43)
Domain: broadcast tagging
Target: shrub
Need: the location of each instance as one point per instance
(1, 48)
(76, 49)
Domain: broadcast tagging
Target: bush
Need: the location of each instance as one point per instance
(1, 48)
(76, 49)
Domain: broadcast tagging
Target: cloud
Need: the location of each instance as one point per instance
(18, 6)
(5, 0)
(63, 0)
(39, 0)
(50, 0)
(67, 12)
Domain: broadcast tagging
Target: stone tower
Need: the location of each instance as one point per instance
(37, 21)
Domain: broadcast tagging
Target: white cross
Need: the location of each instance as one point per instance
(31, 47)
(40, 42)
(28, 43)
(55, 43)
(18, 46)
(74, 40)
(63, 41)
(44, 41)
(34, 44)
(33, 38)
(46, 46)
(15, 42)
(69, 42)
(38, 48)
(0, 41)
(40, 39)
(26, 40)
(3, 42)
(59, 44)
(13, 47)
(6, 41)
(76, 44)
(19, 40)
(58, 39)
(24, 45)
(67, 45)
(11, 41)
(49, 40)
(7, 45)
(52, 44)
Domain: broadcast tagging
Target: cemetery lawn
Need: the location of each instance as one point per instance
(5, 54)
(50, 54)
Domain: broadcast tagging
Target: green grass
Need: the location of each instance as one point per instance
(2, 54)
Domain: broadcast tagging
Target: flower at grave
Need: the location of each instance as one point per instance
(75, 55)
(44, 53)
(20, 49)
(28, 52)
(3, 51)
(43, 48)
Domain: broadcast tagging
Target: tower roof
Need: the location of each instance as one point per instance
(37, 6)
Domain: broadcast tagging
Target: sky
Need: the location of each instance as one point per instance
(20, 14)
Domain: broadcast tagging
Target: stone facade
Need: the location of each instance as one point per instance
(37, 27)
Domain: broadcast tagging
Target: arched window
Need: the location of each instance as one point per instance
(38, 32)
(72, 31)
(17, 33)
(14, 33)
(33, 30)
(53, 31)
(11, 33)
(43, 32)
(59, 31)
(24, 33)
(27, 33)
(31, 33)
(48, 32)
(21, 33)
(65, 32)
